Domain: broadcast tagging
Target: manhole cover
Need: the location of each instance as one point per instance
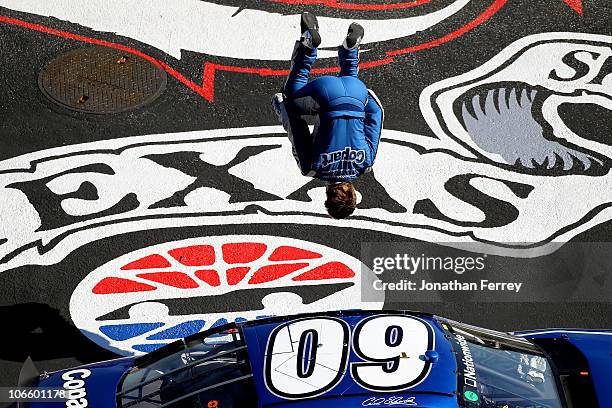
(101, 80)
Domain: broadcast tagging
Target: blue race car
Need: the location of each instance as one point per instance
(351, 359)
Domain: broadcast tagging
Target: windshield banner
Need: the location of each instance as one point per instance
(468, 379)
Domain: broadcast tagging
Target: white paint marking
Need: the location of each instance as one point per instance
(213, 29)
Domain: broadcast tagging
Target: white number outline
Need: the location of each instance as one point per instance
(431, 341)
(349, 339)
(341, 372)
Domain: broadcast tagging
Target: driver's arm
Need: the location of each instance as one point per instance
(373, 123)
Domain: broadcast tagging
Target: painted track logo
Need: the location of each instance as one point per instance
(524, 109)
(58, 200)
(150, 297)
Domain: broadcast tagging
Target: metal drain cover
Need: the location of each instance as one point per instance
(101, 80)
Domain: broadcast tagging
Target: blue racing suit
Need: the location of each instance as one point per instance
(348, 118)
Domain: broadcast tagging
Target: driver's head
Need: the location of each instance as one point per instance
(341, 200)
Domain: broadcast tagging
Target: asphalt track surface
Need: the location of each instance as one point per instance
(34, 300)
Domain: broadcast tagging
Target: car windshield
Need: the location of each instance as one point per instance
(207, 370)
(498, 370)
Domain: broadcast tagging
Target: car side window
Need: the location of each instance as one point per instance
(209, 372)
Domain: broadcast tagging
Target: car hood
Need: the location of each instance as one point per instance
(272, 351)
(95, 383)
(596, 346)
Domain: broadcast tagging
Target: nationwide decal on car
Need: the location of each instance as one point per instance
(467, 370)
(150, 297)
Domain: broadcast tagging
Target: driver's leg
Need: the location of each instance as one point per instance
(348, 52)
(303, 57)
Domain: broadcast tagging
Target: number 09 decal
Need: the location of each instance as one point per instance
(308, 357)
(390, 347)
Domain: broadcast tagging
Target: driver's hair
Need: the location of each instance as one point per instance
(341, 200)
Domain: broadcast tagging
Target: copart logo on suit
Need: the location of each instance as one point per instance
(346, 155)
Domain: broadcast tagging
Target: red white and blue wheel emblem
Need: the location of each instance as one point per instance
(153, 296)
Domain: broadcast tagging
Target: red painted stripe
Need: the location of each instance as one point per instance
(209, 276)
(176, 279)
(148, 262)
(576, 5)
(65, 34)
(211, 68)
(120, 285)
(235, 275)
(291, 253)
(242, 252)
(330, 270)
(207, 89)
(356, 6)
(486, 15)
(194, 255)
(269, 273)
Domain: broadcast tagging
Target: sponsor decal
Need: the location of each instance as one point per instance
(74, 384)
(155, 295)
(469, 372)
(470, 396)
(57, 200)
(468, 378)
(347, 155)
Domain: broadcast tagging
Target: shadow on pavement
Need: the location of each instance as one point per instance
(39, 331)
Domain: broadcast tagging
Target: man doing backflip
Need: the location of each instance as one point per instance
(348, 117)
